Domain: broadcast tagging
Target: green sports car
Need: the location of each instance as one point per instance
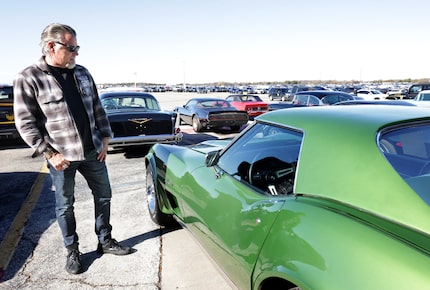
(307, 198)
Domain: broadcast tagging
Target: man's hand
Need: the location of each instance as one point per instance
(103, 153)
(58, 162)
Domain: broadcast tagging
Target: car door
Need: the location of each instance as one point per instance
(230, 207)
(186, 112)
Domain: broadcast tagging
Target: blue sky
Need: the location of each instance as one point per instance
(169, 41)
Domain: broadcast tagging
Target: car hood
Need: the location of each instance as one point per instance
(211, 145)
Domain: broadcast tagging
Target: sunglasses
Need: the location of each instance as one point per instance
(70, 48)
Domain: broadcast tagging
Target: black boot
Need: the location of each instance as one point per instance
(113, 247)
(73, 264)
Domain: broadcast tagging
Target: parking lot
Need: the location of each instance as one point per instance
(162, 258)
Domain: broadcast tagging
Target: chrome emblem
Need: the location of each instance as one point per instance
(140, 121)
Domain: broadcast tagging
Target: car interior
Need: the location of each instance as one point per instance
(266, 159)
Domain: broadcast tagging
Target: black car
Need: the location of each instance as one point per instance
(7, 120)
(414, 89)
(328, 97)
(136, 119)
(278, 93)
(211, 113)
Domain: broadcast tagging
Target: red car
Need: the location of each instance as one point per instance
(252, 104)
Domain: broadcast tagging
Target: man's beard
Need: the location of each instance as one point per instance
(70, 65)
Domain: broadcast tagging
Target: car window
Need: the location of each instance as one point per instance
(332, 99)
(424, 97)
(408, 151)
(214, 104)
(191, 103)
(6, 93)
(265, 157)
(415, 89)
(130, 102)
(152, 104)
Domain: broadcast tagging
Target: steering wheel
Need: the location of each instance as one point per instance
(272, 175)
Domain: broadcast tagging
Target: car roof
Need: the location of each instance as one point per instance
(206, 99)
(124, 94)
(350, 132)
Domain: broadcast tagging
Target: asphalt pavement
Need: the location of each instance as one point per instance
(33, 257)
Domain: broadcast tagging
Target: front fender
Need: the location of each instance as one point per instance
(157, 158)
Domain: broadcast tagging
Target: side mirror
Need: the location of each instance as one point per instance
(212, 158)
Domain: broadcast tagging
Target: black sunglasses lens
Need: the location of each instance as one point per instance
(73, 48)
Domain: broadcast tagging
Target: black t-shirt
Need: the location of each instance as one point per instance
(73, 98)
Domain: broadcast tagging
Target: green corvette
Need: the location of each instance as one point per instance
(306, 198)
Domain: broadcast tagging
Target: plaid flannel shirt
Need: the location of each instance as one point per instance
(42, 116)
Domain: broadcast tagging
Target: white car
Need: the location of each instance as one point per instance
(422, 99)
(371, 94)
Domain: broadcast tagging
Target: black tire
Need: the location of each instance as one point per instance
(197, 126)
(152, 198)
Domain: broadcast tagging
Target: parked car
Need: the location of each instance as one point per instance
(312, 98)
(211, 114)
(136, 119)
(396, 93)
(414, 89)
(328, 97)
(278, 92)
(306, 100)
(302, 88)
(330, 197)
(422, 99)
(252, 104)
(371, 94)
(7, 120)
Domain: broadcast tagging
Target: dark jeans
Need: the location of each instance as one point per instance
(96, 175)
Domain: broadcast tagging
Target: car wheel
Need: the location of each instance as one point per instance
(197, 126)
(152, 198)
(270, 98)
(283, 99)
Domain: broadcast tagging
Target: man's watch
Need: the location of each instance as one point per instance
(48, 153)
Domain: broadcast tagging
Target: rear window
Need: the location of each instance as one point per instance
(408, 151)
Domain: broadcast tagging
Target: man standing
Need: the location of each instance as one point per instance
(58, 113)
